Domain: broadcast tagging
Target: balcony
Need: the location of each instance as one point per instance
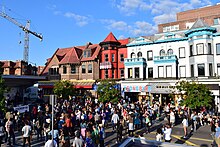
(134, 61)
(165, 59)
(105, 65)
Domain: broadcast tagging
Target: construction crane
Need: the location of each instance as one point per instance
(26, 30)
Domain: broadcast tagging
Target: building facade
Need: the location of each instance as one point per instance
(185, 19)
(113, 52)
(156, 63)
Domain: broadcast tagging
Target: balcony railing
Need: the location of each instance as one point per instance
(134, 61)
(105, 65)
(165, 58)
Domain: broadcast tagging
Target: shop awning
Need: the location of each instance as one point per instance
(163, 88)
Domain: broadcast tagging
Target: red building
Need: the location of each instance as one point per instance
(113, 52)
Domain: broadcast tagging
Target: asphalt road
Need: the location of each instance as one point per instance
(201, 137)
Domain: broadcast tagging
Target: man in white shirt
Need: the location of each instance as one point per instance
(26, 131)
(49, 142)
(115, 119)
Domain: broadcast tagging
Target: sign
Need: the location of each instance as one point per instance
(136, 88)
(22, 109)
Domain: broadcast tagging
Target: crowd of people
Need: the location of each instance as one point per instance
(86, 120)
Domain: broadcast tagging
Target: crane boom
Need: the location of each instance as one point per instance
(27, 30)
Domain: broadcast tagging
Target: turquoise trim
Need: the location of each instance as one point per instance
(200, 33)
(134, 61)
(165, 59)
(216, 34)
(210, 29)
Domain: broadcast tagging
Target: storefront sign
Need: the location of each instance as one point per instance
(135, 88)
(22, 109)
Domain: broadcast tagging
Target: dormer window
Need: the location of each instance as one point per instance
(133, 55)
(87, 53)
(170, 52)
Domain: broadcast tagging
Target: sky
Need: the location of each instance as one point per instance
(67, 23)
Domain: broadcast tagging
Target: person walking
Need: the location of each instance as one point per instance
(167, 133)
(26, 131)
(10, 131)
(78, 142)
(115, 119)
(185, 125)
(50, 142)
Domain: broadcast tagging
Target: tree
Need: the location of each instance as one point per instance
(108, 91)
(2, 91)
(195, 95)
(64, 89)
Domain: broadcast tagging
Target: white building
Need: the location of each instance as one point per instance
(156, 63)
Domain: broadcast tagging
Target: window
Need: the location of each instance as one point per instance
(106, 57)
(160, 72)
(105, 48)
(106, 73)
(209, 48)
(150, 72)
(83, 69)
(113, 57)
(130, 72)
(64, 70)
(170, 52)
(133, 55)
(182, 71)
(139, 54)
(136, 70)
(73, 69)
(89, 53)
(218, 49)
(201, 69)
(218, 69)
(200, 49)
(169, 71)
(122, 57)
(182, 52)
(210, 69)
(192, 70)
(216, 21)
(149, 55)
(90, 68)
(84, 54)
(162, 52)
(191, 50)
(122, 73)
(54, 71)
(113, 73)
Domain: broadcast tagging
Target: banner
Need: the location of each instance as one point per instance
(22, 109)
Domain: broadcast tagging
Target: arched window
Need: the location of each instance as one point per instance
(133, 55)
(162, 52)
(169, 52)
(139, 54)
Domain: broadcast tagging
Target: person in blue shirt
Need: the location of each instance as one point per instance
(55, 135)
(89, 142)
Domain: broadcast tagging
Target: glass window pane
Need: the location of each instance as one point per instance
(90, 68)
(182, 52)
(150, 72)
(201, 69)
(83, 69)
(160, 72)
(169, 71)
(200, 49)
(218, 49)
(149, 55)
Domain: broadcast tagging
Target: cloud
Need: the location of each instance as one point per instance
(135, 29)
(80, 20)
(160, 9)
(128, 7)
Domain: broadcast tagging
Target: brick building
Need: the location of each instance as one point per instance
(185, 19)
(113, 52)
(18, 67)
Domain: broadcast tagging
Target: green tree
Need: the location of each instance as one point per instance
(2, 91)
(64, 89)
(195, 95)
(107, 91)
